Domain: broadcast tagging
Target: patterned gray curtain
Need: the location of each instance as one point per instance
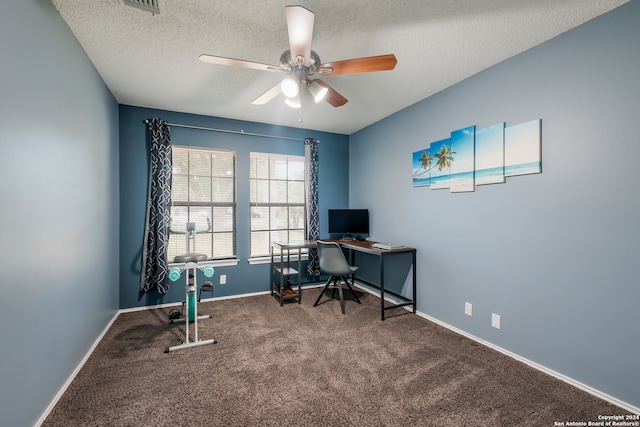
(313, 220)
(156, 235)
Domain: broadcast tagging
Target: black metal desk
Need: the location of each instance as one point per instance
(282, 270)
(367, 247)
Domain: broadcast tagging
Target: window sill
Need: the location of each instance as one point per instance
(267, 259)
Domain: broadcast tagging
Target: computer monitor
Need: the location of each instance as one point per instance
(348, 222)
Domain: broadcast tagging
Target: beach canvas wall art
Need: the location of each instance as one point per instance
(490, 155)
(462, 165)
(472, 157)
(422, 163)
(522, 149)
(442, 158)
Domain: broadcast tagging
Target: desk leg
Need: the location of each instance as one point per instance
(414, 286)
(271, 277)
(281, 277)
(299, 275)
(382, 285)
(414, 282)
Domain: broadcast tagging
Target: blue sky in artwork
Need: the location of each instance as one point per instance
(522, 143)
(490, 147)
(463, 143)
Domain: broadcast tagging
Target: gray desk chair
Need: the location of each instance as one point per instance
(333, 262)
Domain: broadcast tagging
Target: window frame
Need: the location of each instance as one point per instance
(231, 259)
(271, 229)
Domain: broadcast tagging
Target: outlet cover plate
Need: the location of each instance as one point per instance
(495, 320)
(223, 279)
(468, 309)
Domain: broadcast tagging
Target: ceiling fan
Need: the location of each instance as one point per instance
(301, 63)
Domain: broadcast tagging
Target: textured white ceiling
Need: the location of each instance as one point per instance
(152, 60)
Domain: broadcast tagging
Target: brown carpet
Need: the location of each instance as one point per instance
(300, 365)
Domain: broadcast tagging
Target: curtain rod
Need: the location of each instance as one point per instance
(240, 132)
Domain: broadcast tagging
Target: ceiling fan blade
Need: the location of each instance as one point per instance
(268, 95)
(219, 60)
(300, 28)
(332, 97)
(360, 65)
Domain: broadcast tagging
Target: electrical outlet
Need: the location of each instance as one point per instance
(223, 279)
(468, 309)
(495, 320)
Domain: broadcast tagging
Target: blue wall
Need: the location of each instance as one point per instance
(554, 254)
(59, 210)
(243, 278)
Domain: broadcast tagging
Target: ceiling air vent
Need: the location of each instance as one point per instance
(152, 6)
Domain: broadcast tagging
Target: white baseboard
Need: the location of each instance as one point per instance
(571, 381)
(175, 304)
(67, 383)
(64, 387)
(566, 379)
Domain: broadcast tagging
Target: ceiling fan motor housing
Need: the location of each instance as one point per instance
(289, 64)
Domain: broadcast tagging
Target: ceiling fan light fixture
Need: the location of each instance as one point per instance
(317, 91)
(293, 102)
(290, 87)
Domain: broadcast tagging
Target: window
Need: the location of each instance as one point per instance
(203, 197)
(277, 200)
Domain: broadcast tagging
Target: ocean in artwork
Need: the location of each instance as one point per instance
(422, 182)
(481, 176)
(490, 176)
(523, 169)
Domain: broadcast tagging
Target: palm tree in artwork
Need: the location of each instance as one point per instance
(426, 163)
(445, 157)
